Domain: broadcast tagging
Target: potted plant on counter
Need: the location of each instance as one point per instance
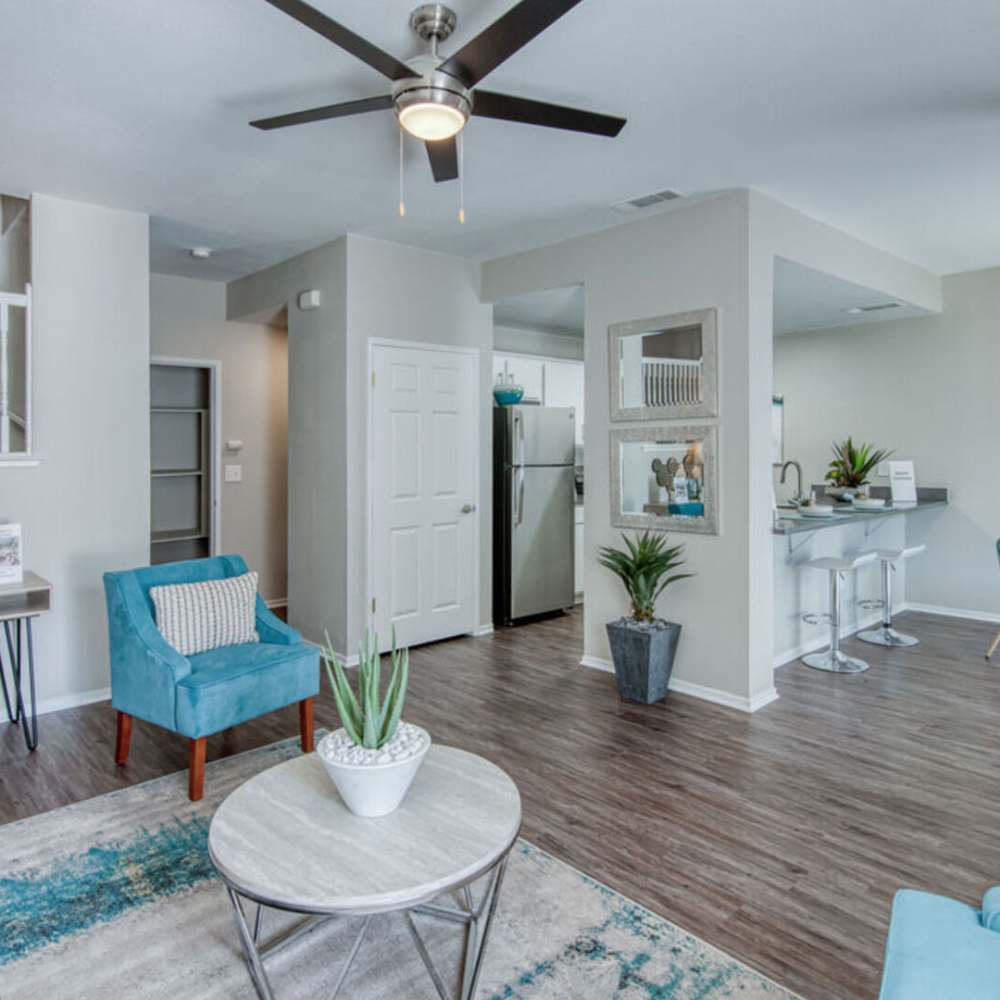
(374, 758)
(643, 646)
(851, 466)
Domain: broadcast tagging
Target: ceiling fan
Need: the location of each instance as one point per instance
(433, 97)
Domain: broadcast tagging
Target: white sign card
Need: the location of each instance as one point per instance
(11, 560)
(902, 482)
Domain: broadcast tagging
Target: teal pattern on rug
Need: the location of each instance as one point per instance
(41, 907)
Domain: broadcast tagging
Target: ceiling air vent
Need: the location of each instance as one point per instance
(855, 310)
(645, 201)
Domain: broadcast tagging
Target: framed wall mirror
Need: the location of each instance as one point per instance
(665, 478)
(665, 367)
(15, 331)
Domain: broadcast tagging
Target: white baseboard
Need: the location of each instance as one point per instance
(277, 602)
(713, 695)
(482, 630)
(47, 705)
(935, 609)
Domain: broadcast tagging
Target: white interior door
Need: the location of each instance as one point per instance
(424, 517)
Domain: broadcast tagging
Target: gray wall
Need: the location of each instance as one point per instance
(928, 389)
(85, 508)
(188, 320)
(693, 257)
(518, 340)
(317, 430)
(371, 289)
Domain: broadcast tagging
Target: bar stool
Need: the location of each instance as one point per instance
(885, 634)
(833, 659)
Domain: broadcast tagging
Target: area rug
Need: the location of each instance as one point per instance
(116, 896)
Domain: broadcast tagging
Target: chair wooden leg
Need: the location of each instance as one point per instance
(306, 723)
(124, 738)
(993, 645)
(196, 768)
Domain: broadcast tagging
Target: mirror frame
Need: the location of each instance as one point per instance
(21, 300)
(708, 435)
(708, 320)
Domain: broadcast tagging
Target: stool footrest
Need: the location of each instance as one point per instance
(871, 604)
(818, 618)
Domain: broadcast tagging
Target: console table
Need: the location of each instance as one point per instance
(284, 840)
(19, 604)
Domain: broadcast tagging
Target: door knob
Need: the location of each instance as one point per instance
(468, 508)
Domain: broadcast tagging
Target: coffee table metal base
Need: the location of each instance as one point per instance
(476, 918)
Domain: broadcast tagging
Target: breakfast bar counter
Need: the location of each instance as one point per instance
(790, 522)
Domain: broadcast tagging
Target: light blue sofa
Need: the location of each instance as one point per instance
(941, 949)
(206, 693)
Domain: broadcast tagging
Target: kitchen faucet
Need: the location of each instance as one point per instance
(798, 476)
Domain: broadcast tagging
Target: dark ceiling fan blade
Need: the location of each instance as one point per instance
(522, 109)
(322, 114)
(359, 47)
(523, 22)
(443, 155)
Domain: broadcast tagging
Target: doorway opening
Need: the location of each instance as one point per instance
(539, 482)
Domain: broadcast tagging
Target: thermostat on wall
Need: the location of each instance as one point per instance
(309, 300)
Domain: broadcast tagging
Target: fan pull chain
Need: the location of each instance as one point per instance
(402, 203)
(461, 178)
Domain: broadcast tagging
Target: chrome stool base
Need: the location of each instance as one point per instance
(886, 635)
(835, 662)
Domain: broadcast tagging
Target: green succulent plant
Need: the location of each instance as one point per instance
(853, 464)
(641, 566)
(369, 719)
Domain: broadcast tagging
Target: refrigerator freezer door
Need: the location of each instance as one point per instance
(542, 435)
(541, 527)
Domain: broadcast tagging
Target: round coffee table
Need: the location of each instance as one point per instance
(285, 840)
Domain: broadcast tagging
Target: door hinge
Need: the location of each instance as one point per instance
(373, 605)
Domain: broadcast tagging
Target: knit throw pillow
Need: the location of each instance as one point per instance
(195, 617)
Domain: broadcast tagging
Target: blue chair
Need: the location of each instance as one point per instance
(941, 949)
(206, 693)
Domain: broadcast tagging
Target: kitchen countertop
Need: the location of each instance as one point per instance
(789, 522)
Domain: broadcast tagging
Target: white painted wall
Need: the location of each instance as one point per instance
(928, 389)
(85, 508)
(188, 320)
(693, 257)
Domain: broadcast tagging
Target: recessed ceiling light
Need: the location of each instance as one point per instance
(201, 253)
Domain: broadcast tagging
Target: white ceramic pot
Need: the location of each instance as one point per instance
(372, 789)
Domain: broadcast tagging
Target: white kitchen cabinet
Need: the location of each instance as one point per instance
(564, 387)
(578, 552)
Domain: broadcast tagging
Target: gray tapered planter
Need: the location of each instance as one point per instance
(643, 654)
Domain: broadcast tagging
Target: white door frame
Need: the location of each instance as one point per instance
(475, 352)
(214, 435)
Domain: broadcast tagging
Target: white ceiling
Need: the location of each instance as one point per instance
(882, 119)
(805, 299)
(555, 310)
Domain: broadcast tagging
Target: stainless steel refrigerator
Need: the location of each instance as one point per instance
(534, 493)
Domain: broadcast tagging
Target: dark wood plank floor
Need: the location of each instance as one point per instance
(779, 837)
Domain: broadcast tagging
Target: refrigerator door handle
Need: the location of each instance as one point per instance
(519, 444)
(520, 496)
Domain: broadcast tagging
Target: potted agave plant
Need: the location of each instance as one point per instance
(851, 467)
(374, 758)
(643, 646)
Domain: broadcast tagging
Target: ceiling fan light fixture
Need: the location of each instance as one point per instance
(431, 121)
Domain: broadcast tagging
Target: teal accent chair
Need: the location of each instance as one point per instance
(206, 693)
(941, 949)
